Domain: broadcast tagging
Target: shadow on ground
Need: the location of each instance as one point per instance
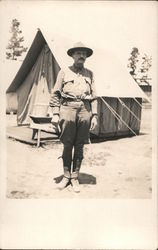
(83, 179)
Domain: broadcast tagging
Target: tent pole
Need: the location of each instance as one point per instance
(116, 114)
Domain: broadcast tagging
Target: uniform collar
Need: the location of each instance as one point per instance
(76, 69)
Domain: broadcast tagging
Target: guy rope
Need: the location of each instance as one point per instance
(137, 102)
(124, 105)
(118, 117)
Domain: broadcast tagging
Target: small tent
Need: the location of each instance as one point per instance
(10, 68)
(119, 97)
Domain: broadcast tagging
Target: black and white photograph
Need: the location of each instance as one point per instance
(79, 116)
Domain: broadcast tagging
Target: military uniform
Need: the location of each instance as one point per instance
(74, 99)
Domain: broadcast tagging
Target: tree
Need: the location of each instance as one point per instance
(15, 48)
(133, 60)
(145, 66)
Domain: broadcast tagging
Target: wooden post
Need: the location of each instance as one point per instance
(38, 138)
(34, 133)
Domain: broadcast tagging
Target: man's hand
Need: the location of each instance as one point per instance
(55, 119)
(94, 122)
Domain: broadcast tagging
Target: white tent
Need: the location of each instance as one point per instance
(10, 68)
(111, 78)
(49, 53)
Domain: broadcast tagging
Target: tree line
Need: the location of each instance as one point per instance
(139, 66)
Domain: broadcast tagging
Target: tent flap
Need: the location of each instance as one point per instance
(34, 93)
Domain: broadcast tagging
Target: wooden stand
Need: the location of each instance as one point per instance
(37, 130)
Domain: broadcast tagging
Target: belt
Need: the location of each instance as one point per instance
(75, 99)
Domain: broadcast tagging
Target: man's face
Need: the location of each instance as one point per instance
(79, 57)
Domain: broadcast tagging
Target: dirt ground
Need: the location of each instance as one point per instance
(116, 169)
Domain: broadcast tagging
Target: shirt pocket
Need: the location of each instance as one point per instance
(68, 81)
(68, 86)
(68, 78)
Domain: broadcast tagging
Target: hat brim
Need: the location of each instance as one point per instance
(72, 50)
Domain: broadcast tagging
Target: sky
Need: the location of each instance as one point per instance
(115, 26)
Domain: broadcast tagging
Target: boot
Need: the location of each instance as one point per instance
(67, 159)
(66, 179)
(75, 175)
(75, 182)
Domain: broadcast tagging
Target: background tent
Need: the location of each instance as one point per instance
(119, 97)
(10, 69)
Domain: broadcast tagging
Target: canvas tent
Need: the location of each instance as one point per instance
(119, 97)
(10, 68)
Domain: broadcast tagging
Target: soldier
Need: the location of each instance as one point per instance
(74, 106)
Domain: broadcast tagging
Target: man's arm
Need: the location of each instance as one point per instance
(56, 94)
(94, 102)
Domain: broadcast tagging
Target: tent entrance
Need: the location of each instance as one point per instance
(34, 93)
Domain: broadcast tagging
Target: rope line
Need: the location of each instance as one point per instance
(123, 104)
(138, 102)
(117, 116)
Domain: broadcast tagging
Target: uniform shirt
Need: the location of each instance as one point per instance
(72, 83)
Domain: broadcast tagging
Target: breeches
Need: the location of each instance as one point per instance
(74, 123)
